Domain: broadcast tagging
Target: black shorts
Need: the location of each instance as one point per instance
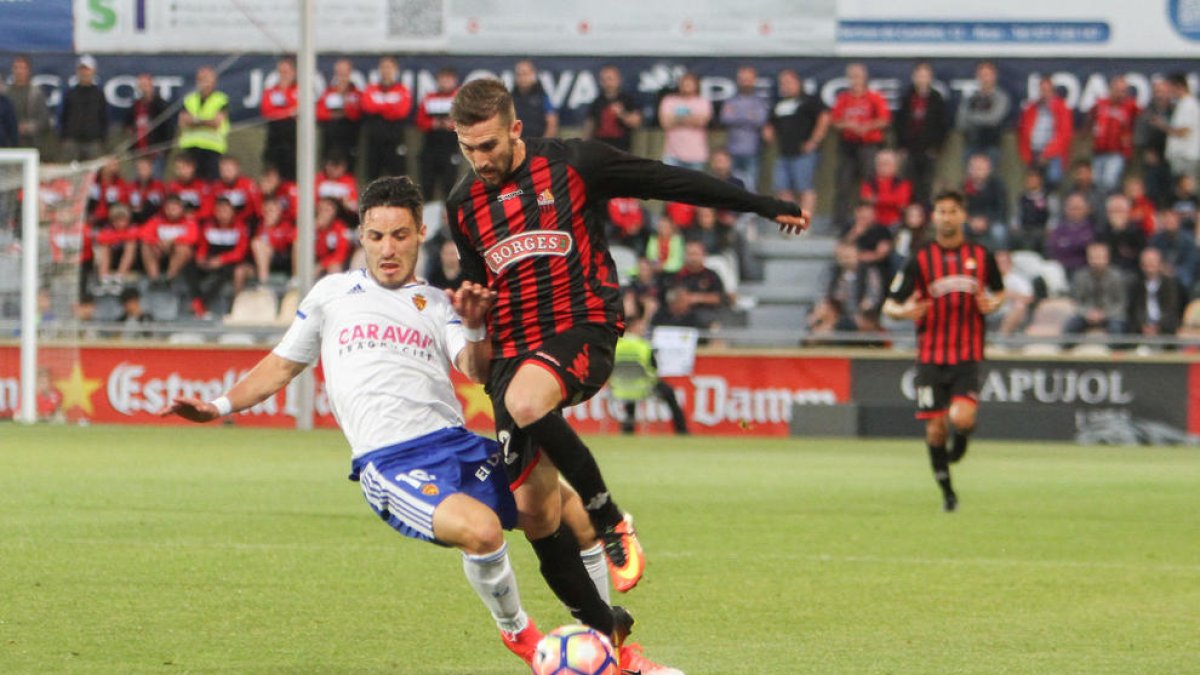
(939, 385)
(580, 358)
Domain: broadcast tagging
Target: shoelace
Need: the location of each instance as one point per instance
(613, 548)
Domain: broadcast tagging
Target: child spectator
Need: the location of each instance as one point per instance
(146, 191)
(272, 246)
(664, 249)
(195, 193)
(117, 242)
(168, 240)
(108, 190)
(337, 183)
(888, 193)
(272, 187)
(241, 192)
(333, 243)
(221, 256)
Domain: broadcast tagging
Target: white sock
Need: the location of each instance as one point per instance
(597, 567)
(492, 577)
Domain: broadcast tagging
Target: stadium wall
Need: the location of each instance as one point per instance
(754, 393)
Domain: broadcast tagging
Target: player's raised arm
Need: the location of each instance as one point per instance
(267, 377)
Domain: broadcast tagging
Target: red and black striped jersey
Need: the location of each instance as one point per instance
(952, 330)
(538, 239)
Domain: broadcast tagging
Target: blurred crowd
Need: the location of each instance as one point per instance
(1105, 211)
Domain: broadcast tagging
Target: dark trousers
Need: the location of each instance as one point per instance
(439, 172)
(663, 391)
(207, 163)
(855, 162)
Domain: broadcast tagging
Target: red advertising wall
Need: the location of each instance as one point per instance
(726, 395)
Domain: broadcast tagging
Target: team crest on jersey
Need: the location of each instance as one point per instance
(527, 245)
(429, 490)
(420, 302)
(970, 264)
(546, 199)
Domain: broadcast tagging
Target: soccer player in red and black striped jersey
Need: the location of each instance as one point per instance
(528, 224)
(947, 287)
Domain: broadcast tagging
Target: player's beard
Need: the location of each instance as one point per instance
(498, 169)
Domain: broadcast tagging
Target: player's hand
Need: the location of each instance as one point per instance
(472, 302)
(987, 302)
(915, 309)
(793, 224)
(191, 409)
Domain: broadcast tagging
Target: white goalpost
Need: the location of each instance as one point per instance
(27, 159)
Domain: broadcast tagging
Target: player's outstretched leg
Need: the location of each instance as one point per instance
(591, 550)
(935, 437)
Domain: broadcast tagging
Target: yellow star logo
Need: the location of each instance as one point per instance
(477, 401)
(77, 391)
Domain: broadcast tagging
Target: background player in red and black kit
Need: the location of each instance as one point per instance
(947, 287)
(527, 224)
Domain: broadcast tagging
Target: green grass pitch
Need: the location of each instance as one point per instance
(216, 550)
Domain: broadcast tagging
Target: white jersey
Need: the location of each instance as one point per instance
(386, 355)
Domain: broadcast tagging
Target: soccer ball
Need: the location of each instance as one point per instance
(574, 650)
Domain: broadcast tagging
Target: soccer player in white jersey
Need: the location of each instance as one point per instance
(386, 341)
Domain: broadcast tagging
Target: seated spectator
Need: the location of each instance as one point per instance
(1125, 240)
(915, 232)
(1067, 242)
(873, 241)
(108, 190)
(886, 191)
(446, 271)
(987, 198)
(1141, 208)
(715, 237)
(643, 293)
(195, 192)
(1083, 182)
(1101, 294)
(336, 182)
(1018, 298)
(1185, 192)
(145, 190)
(272, 246)
(1156, 300)
(117, 241)
(133, 316)
(241, 192)
(1033, 214)
(852, 298)
(684, 117)
(627, 223)
(980, 231)
(333, 242)
(272, 187)
(703, 292)
(221, 256)
(664, 249)
(676, 311)
(1178, 248)
(169, 240)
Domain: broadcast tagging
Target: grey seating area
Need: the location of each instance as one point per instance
(794, 273)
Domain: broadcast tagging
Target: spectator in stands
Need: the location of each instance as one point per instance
(1033, 213)
(336, 182)
(204, 124)
(116, 248)
(915, 232)
(744, 115)
(1150, 141)
(386, 105)
(333, 238)
(1018, 298)
(797, 126)
(83, 125)
(613, 115)
(1183, 138)
(241, 192)
(1044, 134)
(339, 110)
(643, 294)
(278, 108)
(1111, 120)
(715, 237)
(886, 191)
(440, 157)
(1142, 211)
(987, 198)
(151, 125)
(983, 114)
(860, 116)
(922, 123)
(627, 220)
(664, 249)
(107, 190)
(684, 117)
(1178, 248)
(221, 256)
(1156, 299)
(1185, 194)
(1068, 241)
(703, 291)
(133, 316)
(272, 187)
(168, 241)
(9, 129)
(676, 311)
(1101, 294)
(683, 215)
(534, 108)
(29, 104)
(49, 398)
(1083, 182)
(853, 296)
(195, 192)
(446, 270)
(1125, 240)
(873, 241)
(272, 247)
(146, 191)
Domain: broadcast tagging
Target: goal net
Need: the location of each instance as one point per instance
(44, 298)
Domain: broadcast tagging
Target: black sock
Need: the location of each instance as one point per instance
(941, 468)
(563, 446)
(959, 448)
(564, 572)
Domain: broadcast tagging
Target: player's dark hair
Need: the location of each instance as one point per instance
(480, 100)
(392, 191)
(1178, 79)
(951, 195)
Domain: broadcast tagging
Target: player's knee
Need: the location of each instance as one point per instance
(525, 410)
(963, 418)
(483, 538)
